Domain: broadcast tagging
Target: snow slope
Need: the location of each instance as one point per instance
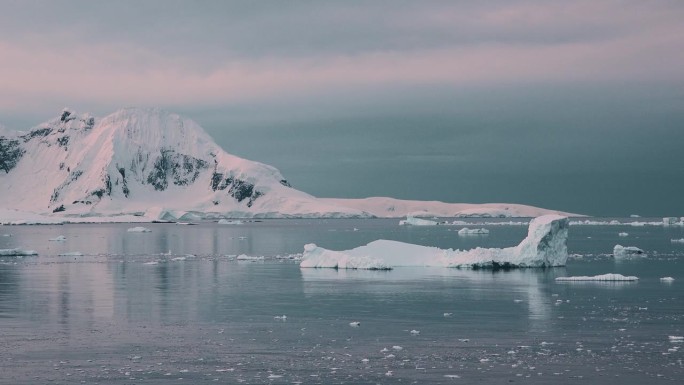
(159, 165)
(545, 245)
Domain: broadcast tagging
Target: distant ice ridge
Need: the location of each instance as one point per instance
(604, 277)
(17, 252)
(544, 246)
(620, 251)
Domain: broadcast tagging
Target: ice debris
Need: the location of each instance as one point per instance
(60, 238)
(544, 246)
(17, 252)
(667, 279)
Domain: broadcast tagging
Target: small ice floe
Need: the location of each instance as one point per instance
(243, 257)
(17, 252)
(139, 229)
(281, 317)
(230, 222)
(389, 373)
(365, 360)
(667, 279)
(620, 251)
(414, 332)
(517, 300)
(680, 240)
(355, 229)
(446, 315)
(464, 339)
(242, 238)
(178, 259)
(623, 234)
(355, 324)
(60, 238)
(466, 231)
(71, 254)
(602, 278)
(151, 263)
(452, 376)
(7, 235)
(397, 347)
(274, 376)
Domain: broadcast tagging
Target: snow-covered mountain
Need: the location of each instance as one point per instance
(148, 161)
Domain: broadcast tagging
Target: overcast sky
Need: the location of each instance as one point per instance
(570, 105)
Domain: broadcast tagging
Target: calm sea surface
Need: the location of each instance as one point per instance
(137, 309)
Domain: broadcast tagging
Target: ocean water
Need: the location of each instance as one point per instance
(135, 308)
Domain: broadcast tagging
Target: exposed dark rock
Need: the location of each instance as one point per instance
(63, 141)
(182, 169)
(285, 183)
(10, 154)
(59, 209)
(38, 132)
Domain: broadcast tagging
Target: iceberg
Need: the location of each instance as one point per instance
(413, 221)
(623, 234)
(544, 246)
(60, 238)
(16, 252)
(667, 279)
(466, 231)
(681, 240)
(230, 222)
(139, 229)
(620, 251)
(671, 221)
(603, 278)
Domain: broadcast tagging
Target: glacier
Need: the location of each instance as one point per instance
(544, 246)
(146, 164)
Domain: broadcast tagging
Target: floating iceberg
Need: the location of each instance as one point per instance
(139, 229)
(667, 279)
(681, 240)
(602, 278)
(243, 257)
(411, 220)
(623, 234)
(620, 251)
(466, 231)
(230, 222)
(672, 221)
(545, 245)
(16, 252)
(60, 238)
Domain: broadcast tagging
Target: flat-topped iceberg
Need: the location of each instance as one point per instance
(16, 252)
(603, 278)
(544, 246)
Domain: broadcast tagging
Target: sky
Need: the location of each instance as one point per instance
(568, 105)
